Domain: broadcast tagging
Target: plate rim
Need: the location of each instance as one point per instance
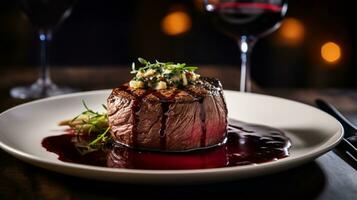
(283, 163)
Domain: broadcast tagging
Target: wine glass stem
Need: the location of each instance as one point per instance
(45, 38)
(245, 45)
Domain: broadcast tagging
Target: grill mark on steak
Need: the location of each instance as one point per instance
(137, 102)
(224, 102)
(203, 123)
(202, 117)
(165, 107)
(147, 116)
(135, 109)
(208, 85)
(225, 106)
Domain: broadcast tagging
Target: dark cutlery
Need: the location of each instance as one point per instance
(347, 148)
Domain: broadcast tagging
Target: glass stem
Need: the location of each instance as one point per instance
(45, 38)
(245, 45)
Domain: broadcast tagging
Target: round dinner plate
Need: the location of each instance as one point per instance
(311, 131)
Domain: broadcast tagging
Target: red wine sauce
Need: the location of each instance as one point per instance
(165, 106)
(246, 144)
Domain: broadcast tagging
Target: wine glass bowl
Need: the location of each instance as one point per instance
(246, 21)
(45, 16)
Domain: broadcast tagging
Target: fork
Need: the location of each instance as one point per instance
(347, 148)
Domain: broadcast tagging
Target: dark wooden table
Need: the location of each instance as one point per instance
(328, 177)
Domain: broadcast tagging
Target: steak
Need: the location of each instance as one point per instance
(172, 119)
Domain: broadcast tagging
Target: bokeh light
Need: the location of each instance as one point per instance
(292, 31)
(176, 23)
(200, 4)
(331, 52)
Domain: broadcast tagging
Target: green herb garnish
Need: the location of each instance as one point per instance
(178, 67)
(161, 75)
(90, 123)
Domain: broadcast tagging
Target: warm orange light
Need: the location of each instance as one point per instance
(176, 23)
(331, 52)
(292, 31)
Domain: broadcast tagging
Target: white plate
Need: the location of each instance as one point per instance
(312, 133)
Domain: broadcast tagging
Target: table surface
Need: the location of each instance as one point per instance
(328, 177)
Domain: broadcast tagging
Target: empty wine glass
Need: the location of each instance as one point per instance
(246, 21)
(45, 16)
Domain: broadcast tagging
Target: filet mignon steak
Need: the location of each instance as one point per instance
(172, 119)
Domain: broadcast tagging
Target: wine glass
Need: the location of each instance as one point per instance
(45, 16)
(246, 21)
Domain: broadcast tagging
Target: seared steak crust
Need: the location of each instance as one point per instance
(171, 119)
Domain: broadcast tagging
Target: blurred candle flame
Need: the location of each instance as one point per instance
(176, 23)
(331, 52)
(292, 31)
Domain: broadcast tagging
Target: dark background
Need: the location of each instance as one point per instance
(114, 33)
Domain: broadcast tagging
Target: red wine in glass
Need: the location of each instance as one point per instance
(246, 21)
(45, 16)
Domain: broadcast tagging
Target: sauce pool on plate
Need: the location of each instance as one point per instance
(246, 144)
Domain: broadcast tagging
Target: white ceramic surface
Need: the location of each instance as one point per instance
(312, 133)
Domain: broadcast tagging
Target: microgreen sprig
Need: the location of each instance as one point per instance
(90, 122)
(178, 67)
(161, 75)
